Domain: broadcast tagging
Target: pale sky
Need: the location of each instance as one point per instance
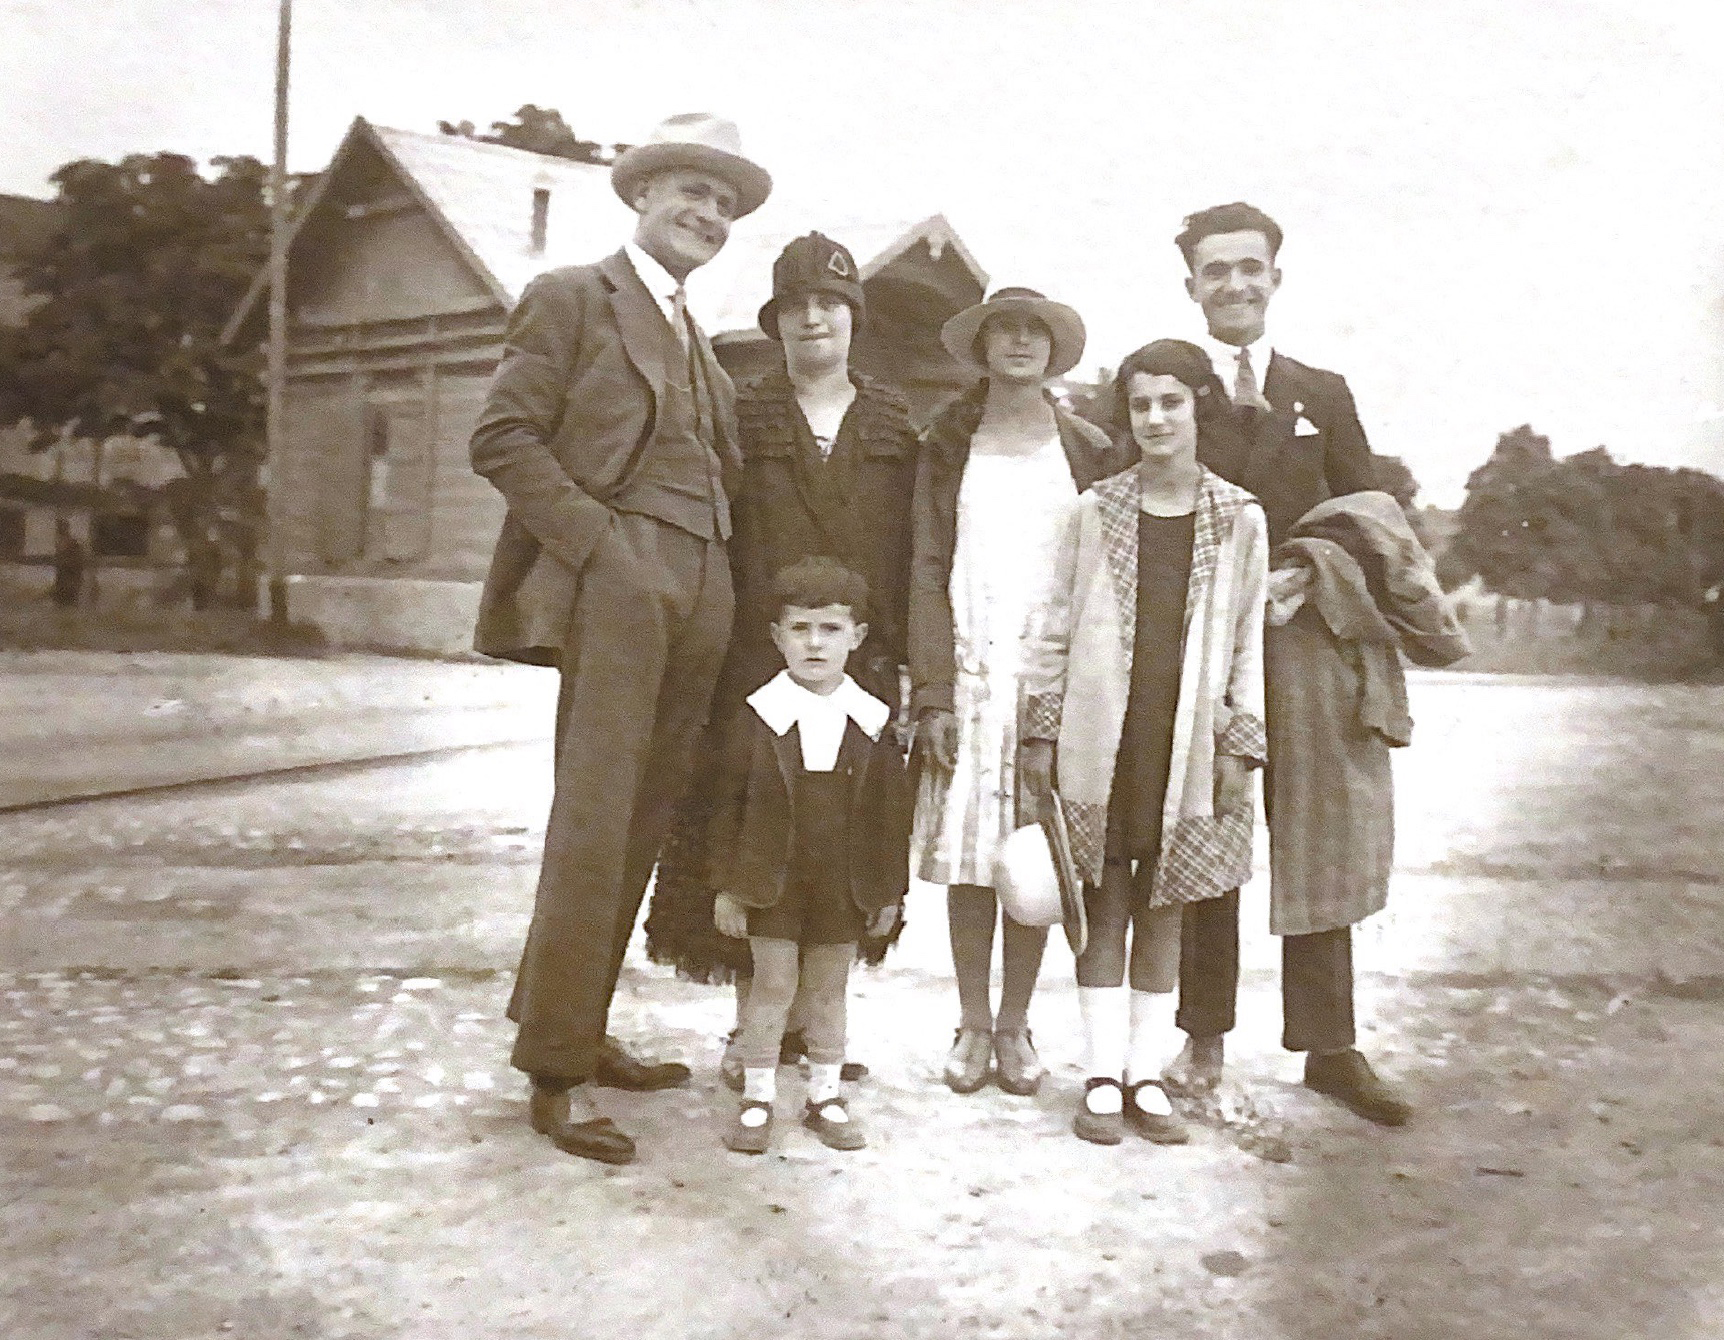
(1498, 211)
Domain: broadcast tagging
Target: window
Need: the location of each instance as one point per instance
(11, 532)
(120, 535)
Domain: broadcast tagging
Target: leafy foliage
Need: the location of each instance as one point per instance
(1584, 528)
(147, 262)
(540, 130)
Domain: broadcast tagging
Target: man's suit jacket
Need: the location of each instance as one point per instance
(1306, 449)
(570, 410)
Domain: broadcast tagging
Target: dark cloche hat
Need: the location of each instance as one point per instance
(812, 264)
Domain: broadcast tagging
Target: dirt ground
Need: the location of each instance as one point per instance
(254, 1081)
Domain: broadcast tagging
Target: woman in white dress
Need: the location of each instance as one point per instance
(996, 490)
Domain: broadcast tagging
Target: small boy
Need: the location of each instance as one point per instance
(810, 844)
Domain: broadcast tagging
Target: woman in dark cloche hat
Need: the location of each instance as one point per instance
(829, 467)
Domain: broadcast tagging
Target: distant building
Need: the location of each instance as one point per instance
(404, 261)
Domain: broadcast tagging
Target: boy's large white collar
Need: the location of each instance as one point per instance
(781, 702)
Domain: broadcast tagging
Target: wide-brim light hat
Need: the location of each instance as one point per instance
(1036, 881)
(1063, 323)
(695, 140)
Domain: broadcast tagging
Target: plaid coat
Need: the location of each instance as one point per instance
(1079, 678)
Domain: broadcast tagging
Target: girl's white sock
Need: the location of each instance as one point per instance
(1153, 1040)
(1105, 1029)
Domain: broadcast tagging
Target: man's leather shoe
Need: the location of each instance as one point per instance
(1197, 1069)
(614, 1068)
(595, 1139)
(1348, 1078)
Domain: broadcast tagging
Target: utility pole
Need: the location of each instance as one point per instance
(276, 386)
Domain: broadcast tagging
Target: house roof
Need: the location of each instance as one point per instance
(482, 194)
(739, 278)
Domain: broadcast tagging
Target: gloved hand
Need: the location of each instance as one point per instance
(730, 916)
(937, 737)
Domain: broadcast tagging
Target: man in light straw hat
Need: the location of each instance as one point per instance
(609, 430)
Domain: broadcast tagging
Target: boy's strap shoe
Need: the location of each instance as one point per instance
(596, 1139)
(834, 1132)
(1348, 1078)
(1099, 1128)
(614, 1068)
(1156, 1127)
(742, 1138)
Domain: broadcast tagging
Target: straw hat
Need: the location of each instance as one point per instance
(1063, 323)
(693, 140)
(1036, 881)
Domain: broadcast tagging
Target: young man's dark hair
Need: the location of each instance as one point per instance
(1237, 217)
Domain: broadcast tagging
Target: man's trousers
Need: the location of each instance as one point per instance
(1316, 979)
(648, 634)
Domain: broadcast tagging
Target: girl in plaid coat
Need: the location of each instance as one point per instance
(1145, 698)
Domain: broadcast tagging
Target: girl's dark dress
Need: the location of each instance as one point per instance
(1146, 744)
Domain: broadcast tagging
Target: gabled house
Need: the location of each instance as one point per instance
(404, 261)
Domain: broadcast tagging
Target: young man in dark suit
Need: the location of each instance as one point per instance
(1296, 442)
(609, 429)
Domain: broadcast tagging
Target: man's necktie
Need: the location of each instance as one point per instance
(1245, 392)
(679, 316)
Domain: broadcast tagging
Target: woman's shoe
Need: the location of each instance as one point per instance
(967, 1062)
(1099, 1128)
(742, 1138)
(1159, 1128)
(1020, 1069)
(834, 1128)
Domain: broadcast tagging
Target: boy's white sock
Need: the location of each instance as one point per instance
(1152, 1042)
(1105, 1029)
(762, 1087)
(823, 1086)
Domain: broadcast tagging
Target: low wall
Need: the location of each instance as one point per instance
(387, 613)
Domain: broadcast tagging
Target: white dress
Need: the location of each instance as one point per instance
(1014, 513)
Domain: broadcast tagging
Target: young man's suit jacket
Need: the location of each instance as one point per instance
(570, 411)
(1308, 448)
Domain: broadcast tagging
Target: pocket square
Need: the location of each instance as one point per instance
(1303, 427)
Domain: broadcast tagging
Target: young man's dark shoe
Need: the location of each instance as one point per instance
(1348, 1078)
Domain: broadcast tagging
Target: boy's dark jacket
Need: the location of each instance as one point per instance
(752, 831)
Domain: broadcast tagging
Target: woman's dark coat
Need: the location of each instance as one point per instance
(934, 524)
(854, 507)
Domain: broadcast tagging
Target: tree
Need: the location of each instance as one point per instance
(147, 262)
(1492, 538)
(540, 130)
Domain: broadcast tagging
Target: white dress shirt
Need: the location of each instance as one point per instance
(658, 280)
(1225, 358)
